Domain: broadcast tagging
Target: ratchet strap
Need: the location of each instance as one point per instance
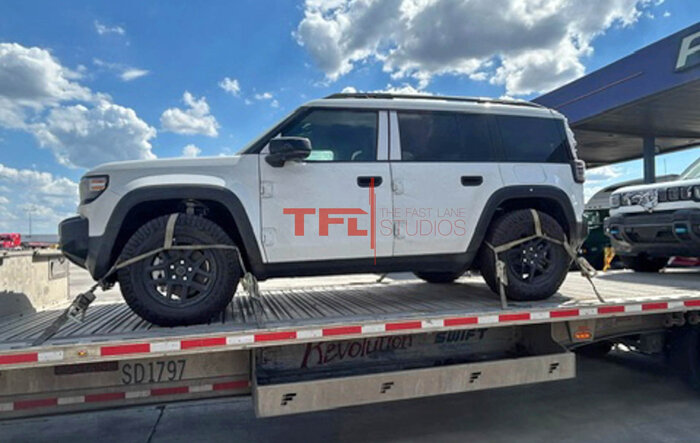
(586, 269)
(78, 307)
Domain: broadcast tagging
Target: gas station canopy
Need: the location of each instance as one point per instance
(645, 104)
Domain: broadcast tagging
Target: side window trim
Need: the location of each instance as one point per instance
(394, 137)
(382, 136)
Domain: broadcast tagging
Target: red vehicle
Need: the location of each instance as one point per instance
(10, 241)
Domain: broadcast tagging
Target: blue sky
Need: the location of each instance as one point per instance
(86, 82)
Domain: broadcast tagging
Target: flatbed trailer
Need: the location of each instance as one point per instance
(321, 346)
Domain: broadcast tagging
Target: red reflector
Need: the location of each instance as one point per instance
(610, 309)
(136, 348)
(343, 330)
(652, 306)
(459, 321)
(170, 391)
(40, 403)
(514, 317)
(404, 325)
(272, 336)
(107, 396)
(239, 384)
(564, 313)
(692, 303)
(203, 342)
(19, 358)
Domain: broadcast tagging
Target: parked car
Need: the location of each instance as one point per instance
(650, 223)
(10, 241)
(596, 210)
(350, 183)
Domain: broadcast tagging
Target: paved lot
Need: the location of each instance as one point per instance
(624, 397)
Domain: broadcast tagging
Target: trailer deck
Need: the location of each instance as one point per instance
(330, 312)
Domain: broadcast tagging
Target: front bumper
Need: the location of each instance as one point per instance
(91, 253)
(73, 239)
(660, 234)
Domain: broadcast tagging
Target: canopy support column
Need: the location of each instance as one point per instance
(649, 159)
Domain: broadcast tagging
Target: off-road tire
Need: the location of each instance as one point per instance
(438, 277)
(213, 273)
(519, 224)
(644, 263)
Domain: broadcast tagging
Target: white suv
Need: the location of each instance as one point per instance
(650, 223)
(350, 183)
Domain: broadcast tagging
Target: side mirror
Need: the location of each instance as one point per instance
(284, 149)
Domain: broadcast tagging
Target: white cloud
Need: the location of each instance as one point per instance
(603, 173)
(49, 198)
(132, 74)
(84, 137)
(349, 90)
(525, 45)
(196, 119)
(32, 79)
(667, 14)
(263, 96)
(191, 151)
(81, 128)
(230, 85)
(103, 29)
(125, 73)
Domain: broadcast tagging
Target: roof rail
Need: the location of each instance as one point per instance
(389, 96)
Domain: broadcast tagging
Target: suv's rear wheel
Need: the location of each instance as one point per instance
(535, 269)
(179, 287)
(439, 277)
(644, 263)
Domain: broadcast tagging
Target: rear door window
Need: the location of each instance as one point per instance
(533, 139)
(445, 137)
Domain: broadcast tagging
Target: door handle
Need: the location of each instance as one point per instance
(365, 180)
(472, 180)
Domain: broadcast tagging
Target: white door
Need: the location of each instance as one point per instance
(443, 174)
(322, 208)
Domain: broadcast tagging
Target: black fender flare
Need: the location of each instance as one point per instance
(101, 249)
(575, 232)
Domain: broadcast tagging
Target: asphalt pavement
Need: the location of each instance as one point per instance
(624, 397)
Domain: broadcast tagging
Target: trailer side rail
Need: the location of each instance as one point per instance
(122, 348)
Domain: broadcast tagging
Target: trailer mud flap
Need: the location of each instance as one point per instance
(291, 398)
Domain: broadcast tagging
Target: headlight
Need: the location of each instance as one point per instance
(686, 192)
(696, 192)
(615, 201)
(91, 187)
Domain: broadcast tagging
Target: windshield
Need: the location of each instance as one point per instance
(693, 171)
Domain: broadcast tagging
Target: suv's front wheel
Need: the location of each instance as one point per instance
(535, 269)
(179, 287)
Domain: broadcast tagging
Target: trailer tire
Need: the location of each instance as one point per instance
(179, 287)
(438, 277)
(644, 263)
(551, 262)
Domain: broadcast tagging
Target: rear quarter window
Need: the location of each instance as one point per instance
(533, 139)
